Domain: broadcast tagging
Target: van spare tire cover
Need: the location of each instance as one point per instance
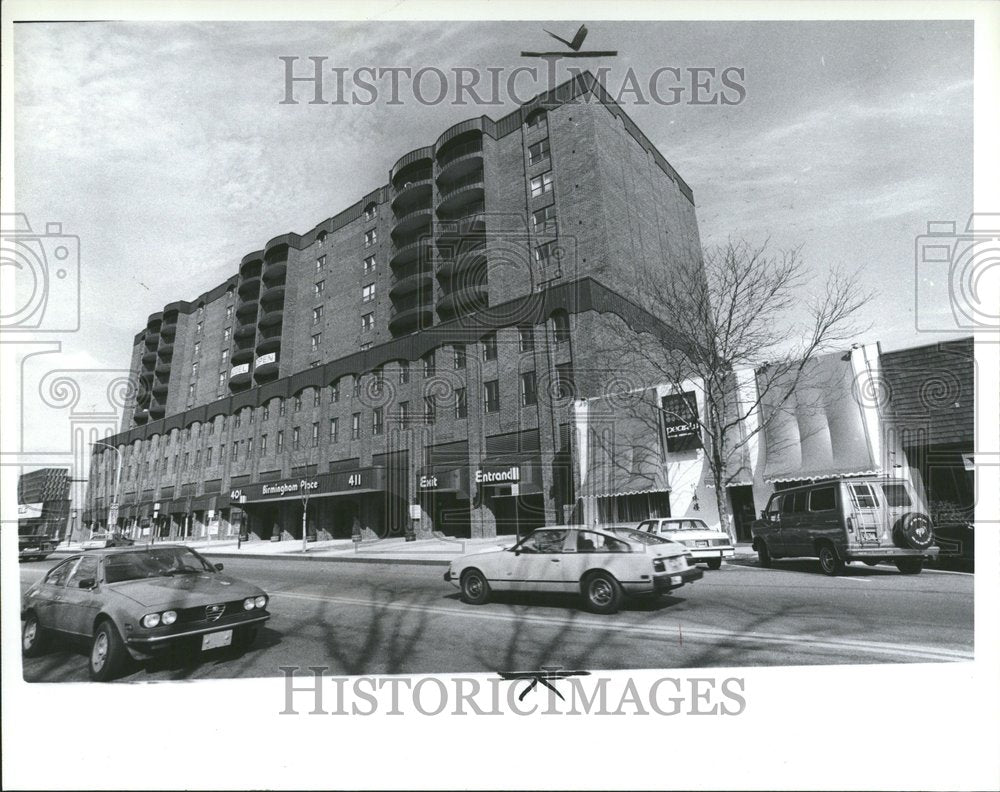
(914, 531)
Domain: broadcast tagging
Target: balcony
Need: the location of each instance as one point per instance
(464, 225)
(165, 351)
(271, 318)
(141, 415)
(160, 389)
(461, 192)
(275, 271)
(243, 355)
(410, 318)
(266, 372)
(246, 330)
(149, 357)
(465, 257)
(162, 366)
(418, 282)
(413, 191)
(249, 288)
(272, 344)
(463, 301)
(152, 339)
(456, 152)
(157, 410)
(272, 295)
(169, 328)
(240, 381)
(412, 251)
(411, 221)
(252, 264)
(247, 308)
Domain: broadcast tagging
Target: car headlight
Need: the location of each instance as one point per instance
(168, 617)
(248, 603)
(260, 601)
(150, 620)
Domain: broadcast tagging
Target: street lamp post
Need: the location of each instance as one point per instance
(305, 509)
(113, 508)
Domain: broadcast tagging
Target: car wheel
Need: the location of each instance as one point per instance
(714, 563)
(914, 532)
(107, 653)
(763, 554)
(33, 637)
(828, 560)
(602, 593)
(910, 566)
(475, 589)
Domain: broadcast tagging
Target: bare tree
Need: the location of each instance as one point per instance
(742, 308)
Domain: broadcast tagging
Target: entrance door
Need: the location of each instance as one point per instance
(741, 502)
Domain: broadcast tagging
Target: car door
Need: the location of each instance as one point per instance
(795, 524)
(824, 517)
(769, 529)
(536, 562)
(592, 550)
(47, 601)
(79, 606)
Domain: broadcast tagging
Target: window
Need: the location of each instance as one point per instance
(587, 542)
(404, 372)
(321, 238)
(428, 360)
(315, 435)
(296, 439)
(404, 413)
(227, 334)
(201, 311)
(335, 392)
(794, 502)
(544, 220)
(211, 428)
(537, 119)
(222, 380)
(314, 342)
(537, 152)
(548, 541)
(368, 321)
(236, 421)
(459, 356)
(546, 254)
(525, 339)
(541, 184)
(355, 426)
(85, 570)
(197, 348)
(266, 414)
(316, 397)
(357, 387)
(895, 495)
(249, 447)
(225, 356)
(198, 328)
(317, 314)
(863, 496)
(371, 237)
(491, 396)
(565, 386)
(321, 262)
(377, 421)
(236, 452)
(318, 287)
(461, 403)
(370, 264)
(280, 443)
(251, 414)
(191, 392)
(366, 345)
(370, 212)
(490, 346)
(529, 393)
(297, 404)
(263, 445)
(333, 430)
(281, 408)
(822, 499)
(368, 293)
(229, 312)
(430, 409)
(560, 326)
(197, 458)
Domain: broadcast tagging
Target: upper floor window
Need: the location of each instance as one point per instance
(491, 396)
(318, 287)
(321, 262)
(537, 119)
(461, 403)
(544, 220)
(459, 356)
(229, 312)
(490, 347)
(355, 426)
(545, 254)
(227, 334)
(371, 237)
(538, 152)
(560, 326)
(317, 314)
(367, 321)
(529, 395)
(321, 238)
(298, 403)
(316, 393)
(370, 211)
(368, 293)
(315, 341)
(224, 356)
(525, 339)
(197, 348)
(295, 438)
(428, 360)
(266, 412)
(404, 372)
(335, 392)
(370, 264)
(541, 184)
(198, 328)
(378, 421)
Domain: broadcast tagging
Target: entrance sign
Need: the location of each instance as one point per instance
(508, 475)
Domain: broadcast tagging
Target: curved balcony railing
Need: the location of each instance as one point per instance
(273, 294)
(473, 222)
(162, 367)
(247, 330)
(414, 190)
(243, 355)
(247, 308)
(412, 220)
(410, 318)
(271, 318)
(473, 179)
(141, 415)
(266, 372)
(249, 288)
(454, 152)
(418, 282)
(272, 344)
(165, 351)
(419, 249)
(466, 256)
(462, 301)
(152, 340)
(169, 329)
(157, 410)
(149, 357)
(159, 388)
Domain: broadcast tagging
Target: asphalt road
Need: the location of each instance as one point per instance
(396, 619)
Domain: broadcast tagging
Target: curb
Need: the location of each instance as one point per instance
(331, 559)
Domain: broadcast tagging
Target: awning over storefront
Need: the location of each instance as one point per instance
(455, 481)
(356, 482)
(820, 430)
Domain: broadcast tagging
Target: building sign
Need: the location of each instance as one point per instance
(360, 480)
(28, 510)
(680, 421)
(428, 482)
(507, 475)
(263, 360)
(243, 368)
(300, 487)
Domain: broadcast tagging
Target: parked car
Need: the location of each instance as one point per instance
(706, 544)
(34, 547)
(102, 539)
(138, 602)
(603, 565)
(867, 519)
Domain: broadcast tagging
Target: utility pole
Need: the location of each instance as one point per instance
(305, 509)
(113, 508)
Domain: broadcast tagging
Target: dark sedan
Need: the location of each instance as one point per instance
(138, 601)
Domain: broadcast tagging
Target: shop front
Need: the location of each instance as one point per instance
(514, 493)
(445, 495)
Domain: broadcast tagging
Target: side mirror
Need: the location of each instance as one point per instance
(218, 567)
(87, 583)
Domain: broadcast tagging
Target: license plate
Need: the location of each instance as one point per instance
(31, 549)
(216, 640)
(675, 580)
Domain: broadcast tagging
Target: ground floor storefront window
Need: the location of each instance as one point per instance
(633, 507)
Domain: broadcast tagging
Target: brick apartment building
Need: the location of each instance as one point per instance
(412, 361)
(43, 500)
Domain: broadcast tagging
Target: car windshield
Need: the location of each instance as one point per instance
(635, 535)
(160, 562)
(685, 525)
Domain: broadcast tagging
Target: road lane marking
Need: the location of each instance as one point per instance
(667, 631)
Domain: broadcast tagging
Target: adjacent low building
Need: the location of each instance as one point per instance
(43, 503)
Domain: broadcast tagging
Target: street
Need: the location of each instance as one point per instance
(380, 618)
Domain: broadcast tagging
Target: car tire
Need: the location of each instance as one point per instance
(909, 566)
(33, 636)
(763, 554)
(714, 563)
(829, 561)
(602, 593)
(475, 589)
(913, 532)
(107, 652)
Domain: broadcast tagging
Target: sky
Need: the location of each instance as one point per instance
(165, 147)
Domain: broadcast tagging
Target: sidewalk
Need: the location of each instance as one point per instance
(434, 551)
